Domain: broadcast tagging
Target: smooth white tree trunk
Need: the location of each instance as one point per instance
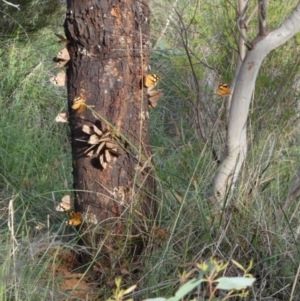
(236, 144)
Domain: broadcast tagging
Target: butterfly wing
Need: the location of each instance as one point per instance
(150, 80)
(60, 63)
(75, 219)
(59, 79)
(79, 104)
(65, 204)
(62, 39)
(223, 90)
(63, 54)
(81, 108)
(61, 117)
(153, 97)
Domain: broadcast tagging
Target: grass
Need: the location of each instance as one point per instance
(35, 162)
(35, 171)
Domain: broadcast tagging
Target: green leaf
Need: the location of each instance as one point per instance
(234, 283)
(129, 290)
(238, 265)
(186, 288)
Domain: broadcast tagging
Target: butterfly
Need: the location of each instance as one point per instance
(150, 80)
(75, 219)
(62, 39)
(60, 63)
(63, 54)
(79, 104)
(59, 79)
(65, 204)
(223, 90)
(61, 117)
(153, 97)
(62, 58)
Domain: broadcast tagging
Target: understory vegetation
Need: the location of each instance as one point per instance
(193, 49)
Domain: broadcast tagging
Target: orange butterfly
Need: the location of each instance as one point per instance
(75, 219)
(150, 80)
(223, 90)
(79, 104)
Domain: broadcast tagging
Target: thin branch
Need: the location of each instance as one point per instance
(241, 25)
(184, 39)
(262, 23)
(295, 283)
(294, 192)
(262, 16)
(11, 4)
(248, 19)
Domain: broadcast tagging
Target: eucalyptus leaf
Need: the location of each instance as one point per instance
(186, 288)
(234, 283)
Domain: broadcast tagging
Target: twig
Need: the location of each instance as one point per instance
(241, 25)
(184, 38)
(27, 77)
(248, 19)
(262, 16)
(294, 192)
(295, 283)
(262, 23)
(11, 4)
(13, 241)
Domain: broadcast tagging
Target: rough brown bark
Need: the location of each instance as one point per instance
(109, 53)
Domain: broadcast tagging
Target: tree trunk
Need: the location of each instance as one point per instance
(113, 185)
(236, 144)
(242, 24)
